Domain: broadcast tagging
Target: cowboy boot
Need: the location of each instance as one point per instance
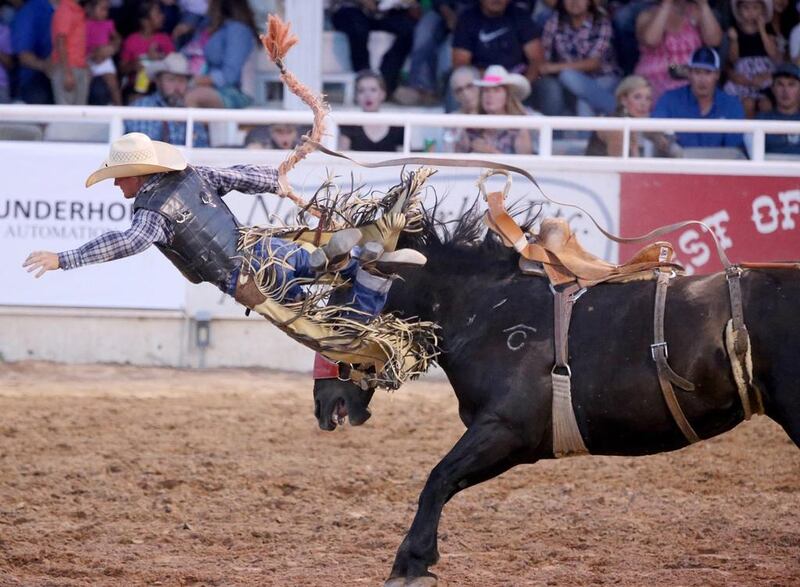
(374, 259)
(333, 255)
(385, 230)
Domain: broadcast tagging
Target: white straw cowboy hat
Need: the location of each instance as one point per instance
(174, 63)
(497, 75)
(137, 154)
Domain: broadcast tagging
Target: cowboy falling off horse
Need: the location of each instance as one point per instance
(179, 208)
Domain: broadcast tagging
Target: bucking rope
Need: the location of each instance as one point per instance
(277, 43)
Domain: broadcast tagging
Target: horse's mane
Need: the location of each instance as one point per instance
(463, 240)
(459, 242)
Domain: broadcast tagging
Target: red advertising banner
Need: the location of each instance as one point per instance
(755, 218)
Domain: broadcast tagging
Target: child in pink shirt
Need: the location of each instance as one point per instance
(148, 43)
(102, 43)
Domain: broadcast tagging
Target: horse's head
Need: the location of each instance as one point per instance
(460, 265)
(335, 400)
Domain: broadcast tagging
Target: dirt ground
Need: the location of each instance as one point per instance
(113, 475)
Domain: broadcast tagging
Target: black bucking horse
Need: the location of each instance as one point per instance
(498, 352)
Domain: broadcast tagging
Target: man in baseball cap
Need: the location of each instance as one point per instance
(171, 76)
(786, 89)
(702, 99)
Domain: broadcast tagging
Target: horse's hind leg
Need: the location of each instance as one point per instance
(786, 412)
(487, 449)
(782, 386)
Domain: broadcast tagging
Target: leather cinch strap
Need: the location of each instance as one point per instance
(567, 439)
(737, 341)
(660, 353)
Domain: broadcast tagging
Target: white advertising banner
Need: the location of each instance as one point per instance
(44, 206)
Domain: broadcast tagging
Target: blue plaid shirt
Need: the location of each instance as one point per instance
(150, 227)
(168, 131)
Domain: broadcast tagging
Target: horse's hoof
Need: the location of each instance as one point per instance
(430, 581)
(427, 581)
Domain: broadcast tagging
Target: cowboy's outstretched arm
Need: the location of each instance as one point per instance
(147, 228)
(247, 179)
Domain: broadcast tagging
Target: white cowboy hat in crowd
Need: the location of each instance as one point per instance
(497, 75)
(174, 63)
(137, 154)
(767, 9)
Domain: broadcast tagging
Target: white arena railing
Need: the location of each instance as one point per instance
(545, 159)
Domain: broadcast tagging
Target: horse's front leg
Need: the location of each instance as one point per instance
(488, 448)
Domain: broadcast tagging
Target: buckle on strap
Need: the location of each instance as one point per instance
(734, 271)
(344, 371)
(670, 276)
(489, 173)
(206, 199)
(183, 216)
(659, 345)
(572, 297)
(564, 367)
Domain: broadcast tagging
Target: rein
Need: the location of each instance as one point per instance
(504, 167)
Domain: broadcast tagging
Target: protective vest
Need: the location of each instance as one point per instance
(206, 231)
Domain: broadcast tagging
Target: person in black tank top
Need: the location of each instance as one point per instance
(370, 95)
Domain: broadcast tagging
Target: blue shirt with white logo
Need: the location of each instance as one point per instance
(681, 103)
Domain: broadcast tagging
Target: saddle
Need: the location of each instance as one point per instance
(562, 258)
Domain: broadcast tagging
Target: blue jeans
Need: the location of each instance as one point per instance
(354, 23)
(592, 95)
(429, 34)
(35, 88)
(624, 40)
(367, 295)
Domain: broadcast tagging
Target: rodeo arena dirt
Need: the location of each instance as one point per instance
(117, 475)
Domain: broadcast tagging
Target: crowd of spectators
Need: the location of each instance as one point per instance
(660, 58)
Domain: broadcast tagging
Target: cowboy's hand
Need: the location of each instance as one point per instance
(41, 262)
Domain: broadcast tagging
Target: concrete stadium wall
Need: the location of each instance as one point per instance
(144, 338)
